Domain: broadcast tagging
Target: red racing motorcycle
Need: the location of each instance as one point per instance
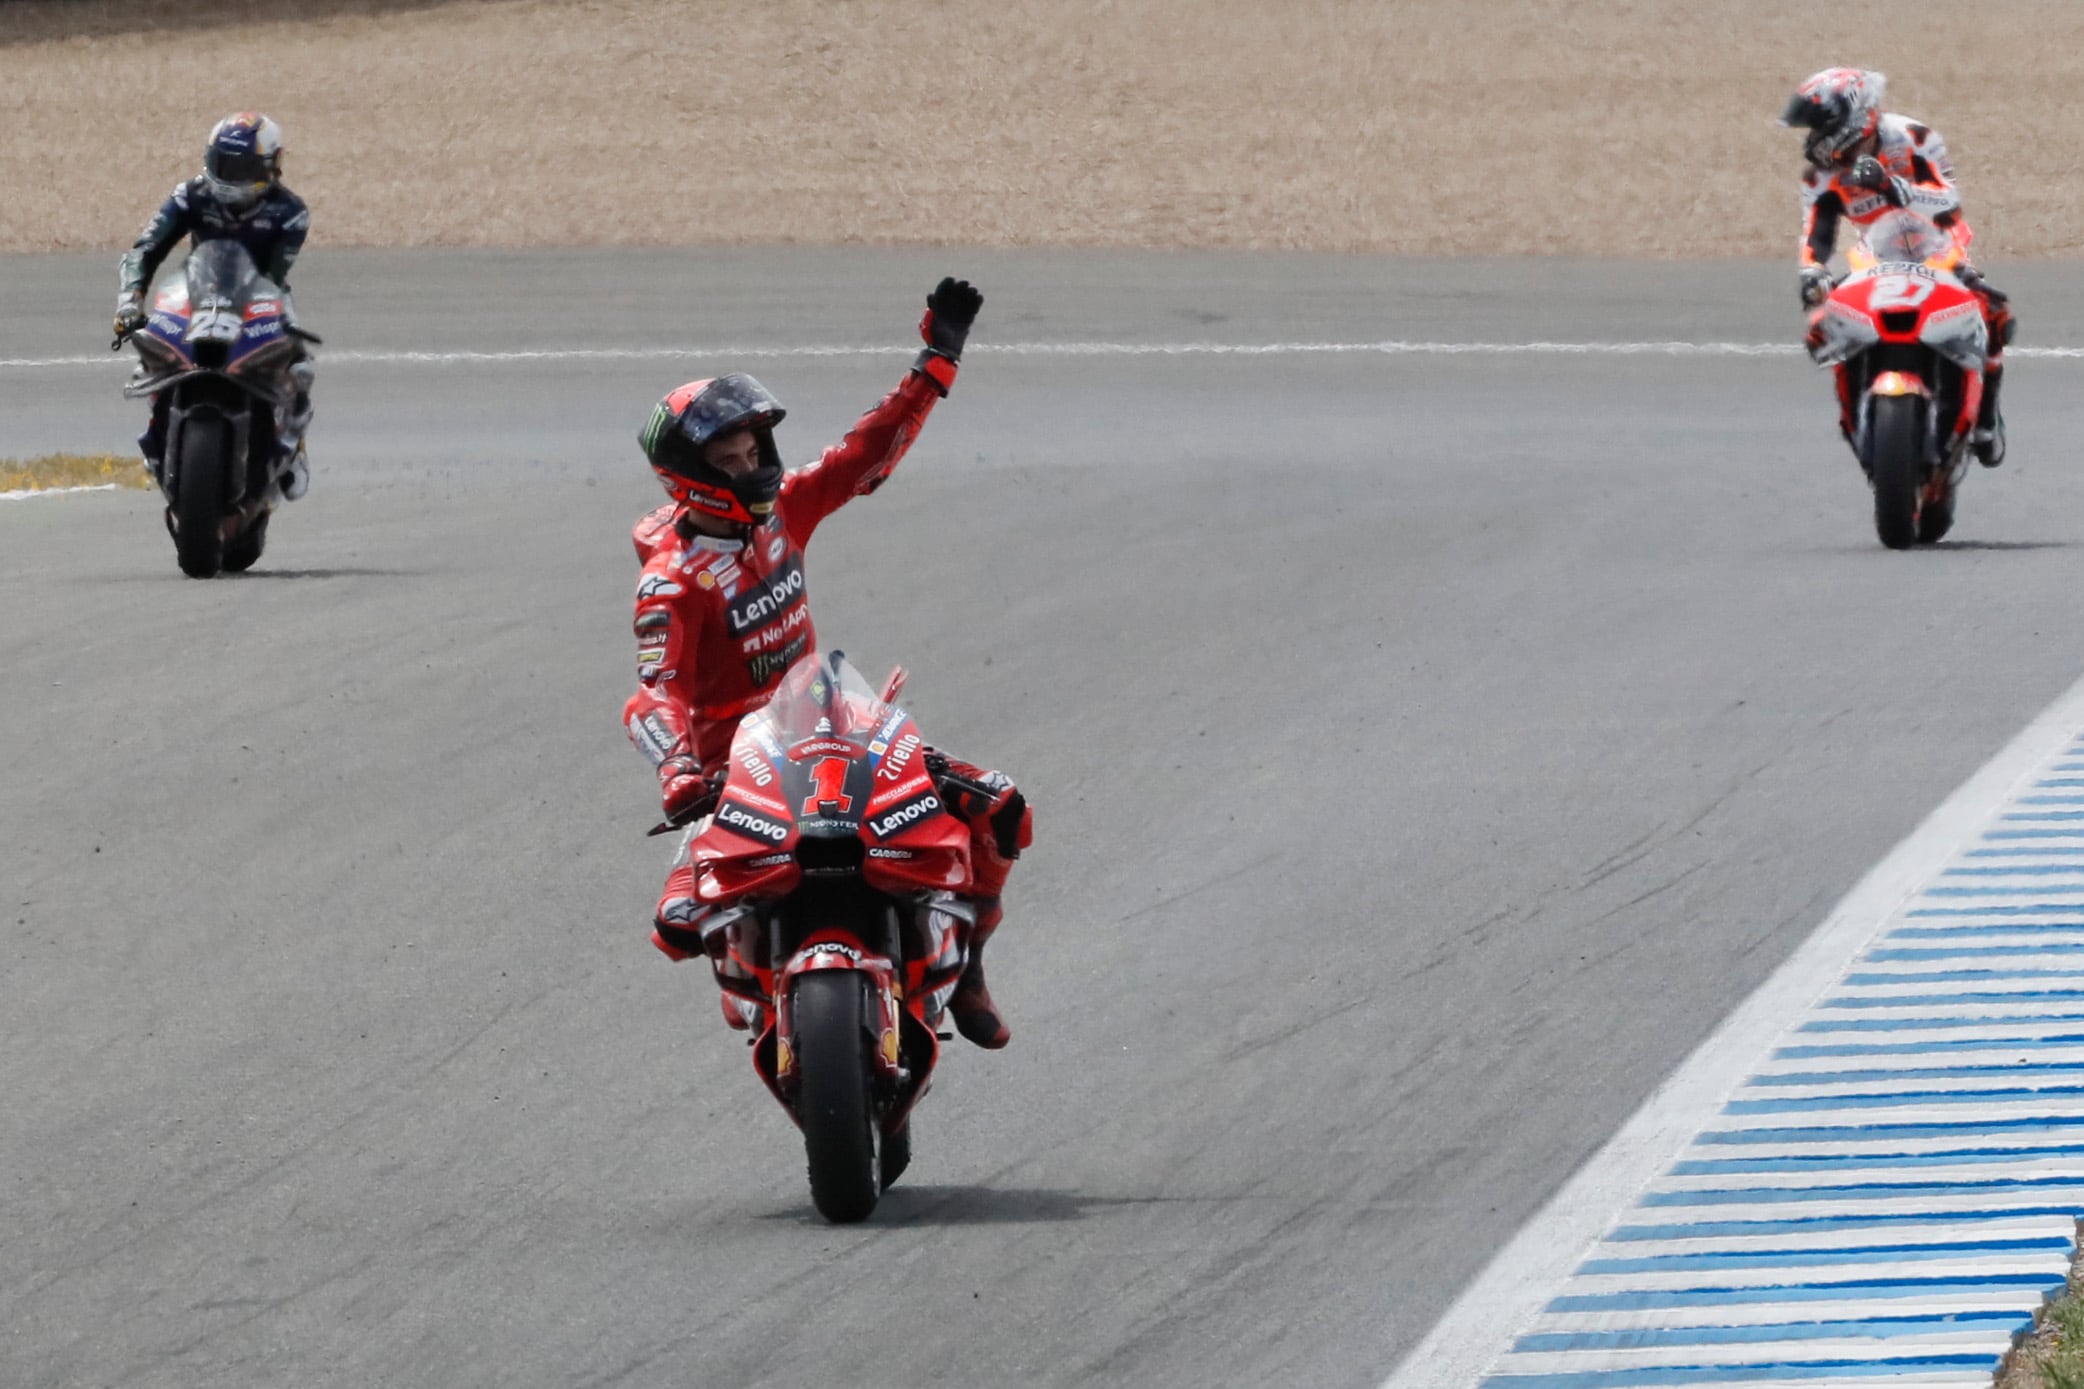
(832, 861)
(1907, 340)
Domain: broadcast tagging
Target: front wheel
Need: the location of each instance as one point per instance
(834, 1100)
(199, 486)
(1895, 460)
(897, 1153)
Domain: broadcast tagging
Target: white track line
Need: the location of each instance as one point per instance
(1394, 348)
(1511, 1292)
(25, 493)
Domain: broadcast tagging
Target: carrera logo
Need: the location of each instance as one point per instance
(769, 860)
(900, 818)
(777, 596)
(891, 853)
(734, 816)
(899, 757)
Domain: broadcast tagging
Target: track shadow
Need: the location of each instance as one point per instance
(344, 572)
(2005, 545)
(972, 1205)
(38, 21)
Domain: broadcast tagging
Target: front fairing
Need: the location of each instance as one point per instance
(828, 780)
(219, 314)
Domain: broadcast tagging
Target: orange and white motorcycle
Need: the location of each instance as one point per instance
(1905, 334)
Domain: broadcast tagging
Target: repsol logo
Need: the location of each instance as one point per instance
(893, 768)
(902, 817)
(734, 816)
(781, 593)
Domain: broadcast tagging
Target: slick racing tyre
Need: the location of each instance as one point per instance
(833, 1101)
(199, 501)
(1895, 461)
(1935, 519)
(244, 550)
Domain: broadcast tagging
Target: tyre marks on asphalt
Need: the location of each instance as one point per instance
(1895, 1189)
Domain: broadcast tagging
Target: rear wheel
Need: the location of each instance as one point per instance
(244, 550)
(1894, 461)
(199, 486)
(833, 1100)
(1935, 519)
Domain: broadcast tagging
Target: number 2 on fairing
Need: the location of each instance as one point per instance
(1900, 292)
(829, 781)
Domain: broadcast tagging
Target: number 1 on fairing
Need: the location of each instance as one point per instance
(829, 782)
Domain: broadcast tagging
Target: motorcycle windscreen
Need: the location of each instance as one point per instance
(824, 722)
(1904, 237)
(222, 271)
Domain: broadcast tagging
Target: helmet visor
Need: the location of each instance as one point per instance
(237, 166)
(729, 403)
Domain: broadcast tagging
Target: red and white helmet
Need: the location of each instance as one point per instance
(1839, 107)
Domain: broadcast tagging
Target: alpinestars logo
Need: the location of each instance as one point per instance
(732, 815)
(902, 817)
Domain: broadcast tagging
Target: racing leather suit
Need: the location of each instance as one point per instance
(719, 621)
(272, 230)
(1916, 159)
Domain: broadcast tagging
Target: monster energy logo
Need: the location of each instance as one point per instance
(660, 418)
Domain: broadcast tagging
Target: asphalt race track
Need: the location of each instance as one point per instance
(1428, 751)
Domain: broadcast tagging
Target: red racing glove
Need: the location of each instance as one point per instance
(683, 790)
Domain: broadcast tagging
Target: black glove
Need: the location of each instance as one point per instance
(950, 310)
(1973, 278)
(1868, 173)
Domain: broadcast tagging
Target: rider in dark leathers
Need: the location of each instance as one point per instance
(240, 197)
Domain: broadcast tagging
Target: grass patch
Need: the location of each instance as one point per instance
(2052, 1355)
(71, 470)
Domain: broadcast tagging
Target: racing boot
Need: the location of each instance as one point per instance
(1988, 439)
(296, 480)
(976, 1016)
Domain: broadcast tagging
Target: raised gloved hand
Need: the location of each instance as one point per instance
(683, 790)
(950, 310)
(130, 315)
(1816, 285)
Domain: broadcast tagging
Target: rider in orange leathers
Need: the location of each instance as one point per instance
(722, 613)
(1864, 162)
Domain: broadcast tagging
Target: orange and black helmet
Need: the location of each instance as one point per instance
(677, 440)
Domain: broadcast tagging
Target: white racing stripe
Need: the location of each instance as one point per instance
(1819, 1161)
(1392, 348)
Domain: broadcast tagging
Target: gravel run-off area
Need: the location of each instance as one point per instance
(1609, 127)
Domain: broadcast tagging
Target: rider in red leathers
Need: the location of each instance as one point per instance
(722, 613)
(1865, 162)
